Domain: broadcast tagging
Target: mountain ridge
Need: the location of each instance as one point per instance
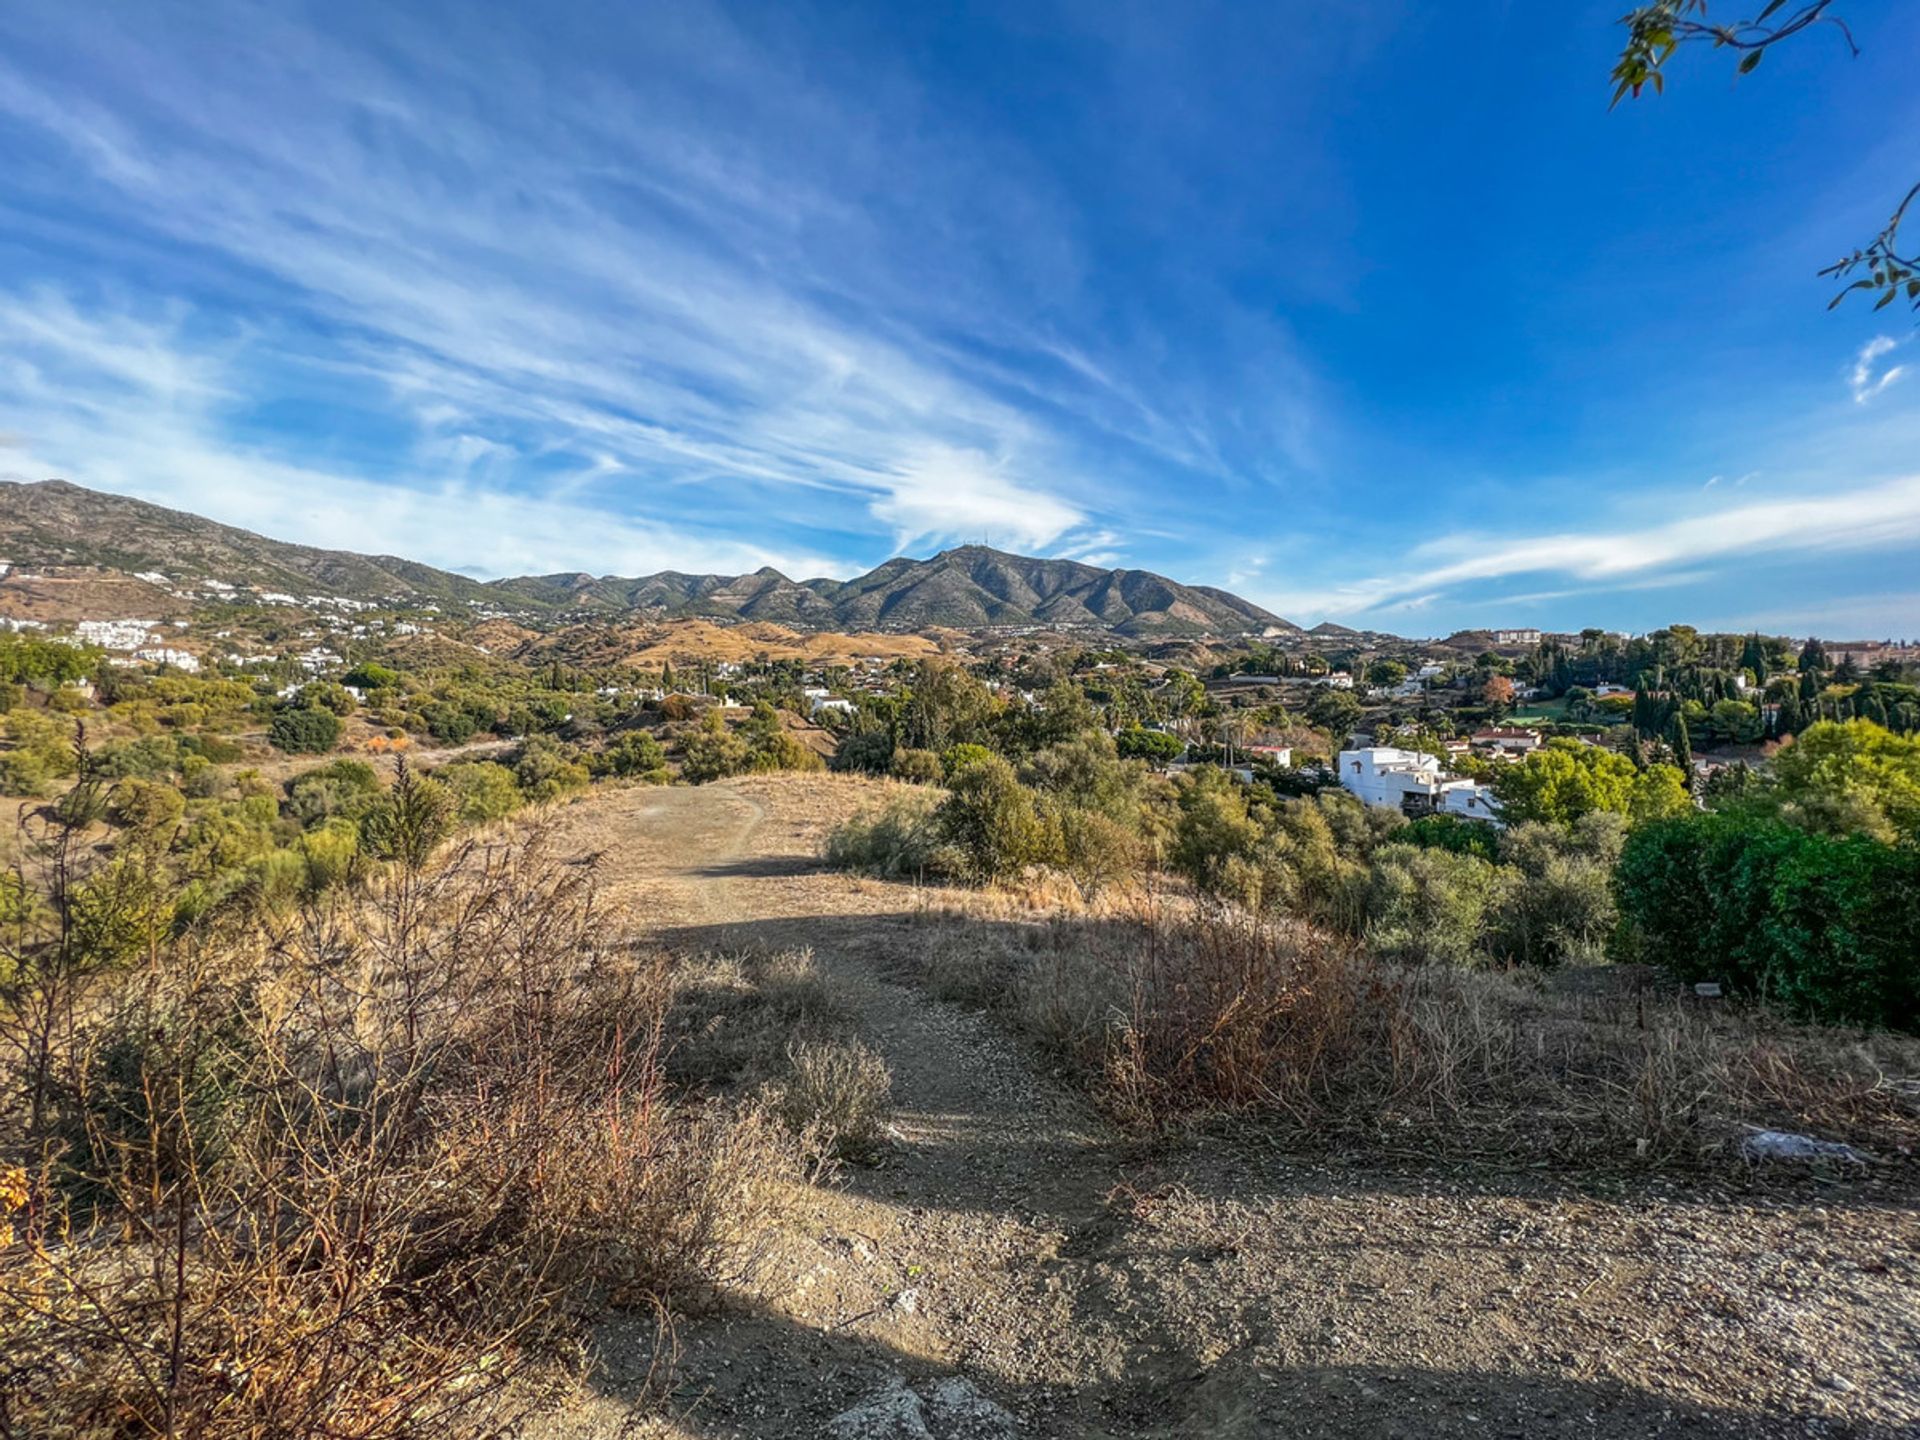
(56, 523)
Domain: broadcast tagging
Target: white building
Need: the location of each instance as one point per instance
(1516, 637)
(1412, 782)
(1507, 740)
(114, 634)
(166, 655)
(1470, 800)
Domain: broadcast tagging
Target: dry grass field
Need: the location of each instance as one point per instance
(65, 596)
(1096, 1278)
(679, 642)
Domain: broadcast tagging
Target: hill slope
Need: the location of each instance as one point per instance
(55, 523)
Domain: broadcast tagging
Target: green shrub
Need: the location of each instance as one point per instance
(215, 749)
(369, 676)
(1827, 926)
(299, 731)
(545, 770)
(1433, 906)
(918, 767)
(1215, 839)
(347, 789)
(159, 1094)
(1455, 833)
(1155, 746)
(636, 755)
(148, 759)
(712, 752)
(482, 790)
(449, 724)
(1095, 850)
(956, 758)
(23, 773)
(868, 753)
(990, 819)
(329, 852)
(900, 841)
(145, 804)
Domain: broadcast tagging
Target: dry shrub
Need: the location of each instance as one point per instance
(837, 1097)
(359, 1176)
(765, 1026)
(1173, 1016)
(1228, 1012)
(734, 1015)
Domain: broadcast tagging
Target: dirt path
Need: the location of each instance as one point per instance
(1092, 1289)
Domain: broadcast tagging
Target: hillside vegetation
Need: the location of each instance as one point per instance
(53, 523)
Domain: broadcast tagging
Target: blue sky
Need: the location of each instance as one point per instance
(1369, 311)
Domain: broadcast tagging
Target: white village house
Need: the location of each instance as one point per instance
(1507, 740)
(1413, 783)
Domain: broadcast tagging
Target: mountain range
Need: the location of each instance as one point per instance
(53, 523)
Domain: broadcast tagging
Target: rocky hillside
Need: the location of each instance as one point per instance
(959, 589)
(54, 523)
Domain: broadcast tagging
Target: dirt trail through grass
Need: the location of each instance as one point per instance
(1095, 1288)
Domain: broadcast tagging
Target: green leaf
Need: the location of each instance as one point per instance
(1751, 62)
(1886, 300)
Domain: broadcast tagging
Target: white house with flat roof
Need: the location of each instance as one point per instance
(1413, 783)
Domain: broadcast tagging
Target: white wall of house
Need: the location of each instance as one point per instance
(1471, 800)
(1384, 775)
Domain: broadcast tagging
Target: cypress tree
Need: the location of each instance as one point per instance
(1682, 744)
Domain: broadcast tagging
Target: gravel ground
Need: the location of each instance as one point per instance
(1095, 1288)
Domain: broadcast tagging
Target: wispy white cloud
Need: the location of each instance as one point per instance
(123, 403)
(1865, 518)
(944, 493)
(1869, 377)
(621, 277)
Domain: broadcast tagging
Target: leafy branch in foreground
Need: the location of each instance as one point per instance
(1657, 30)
